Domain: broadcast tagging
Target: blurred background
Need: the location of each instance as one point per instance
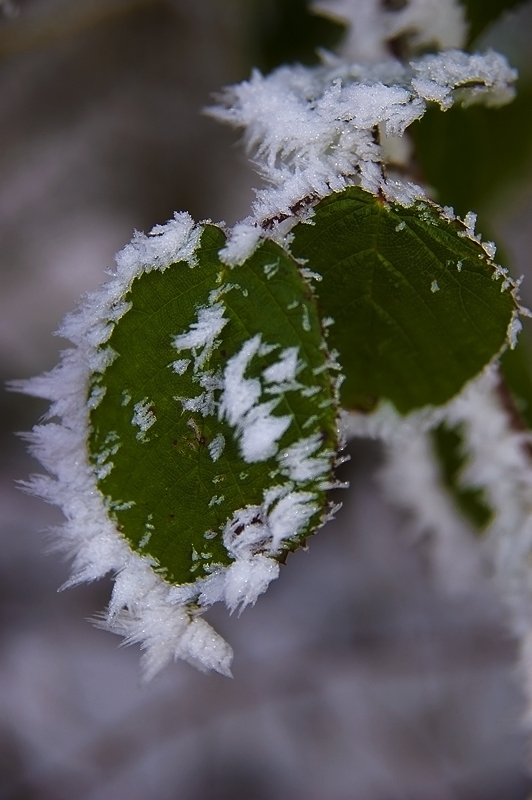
(363, 674)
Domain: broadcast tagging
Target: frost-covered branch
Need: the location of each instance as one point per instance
(313, 131)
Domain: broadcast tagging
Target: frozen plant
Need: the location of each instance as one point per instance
(196, 422)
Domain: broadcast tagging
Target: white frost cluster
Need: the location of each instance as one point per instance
(255, 533)
(313, 131)
(143, 417)
(203, 333)
(252, 537)
(477, 78)
(440, 23)
(257, 429)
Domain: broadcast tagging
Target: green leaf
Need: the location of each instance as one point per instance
(481, 13)
(418, 309)
(449, 450)
(170, 481)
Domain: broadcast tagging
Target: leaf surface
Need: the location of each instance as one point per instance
(219, 372)
(417, 307)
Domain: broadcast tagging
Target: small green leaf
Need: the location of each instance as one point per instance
(219, 399)
(417, 307)
(449, 450)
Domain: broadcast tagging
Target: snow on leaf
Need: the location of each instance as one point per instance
(216, 418)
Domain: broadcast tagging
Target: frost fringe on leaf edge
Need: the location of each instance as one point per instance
(139, 608)
(165, 619)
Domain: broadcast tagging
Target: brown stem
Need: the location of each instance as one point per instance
(509, 405)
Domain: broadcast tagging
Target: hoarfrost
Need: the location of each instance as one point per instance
(257, 428)
(490, 248)
(96, 396)
(290, 516)
(248, 578)
(489, 74)
(242, 240)
(180, 366)
(311, 131)
(411, 479)
(285, 369)
(256, 533)
(260, 431)
(203, 333)
(514, 328)
(240, 394)
(430, 22)
(216, 447)
(143, 417)
(164, 245)
(297, 461)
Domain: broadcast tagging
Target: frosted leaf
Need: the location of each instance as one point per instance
(423, 330)
(158, 462)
